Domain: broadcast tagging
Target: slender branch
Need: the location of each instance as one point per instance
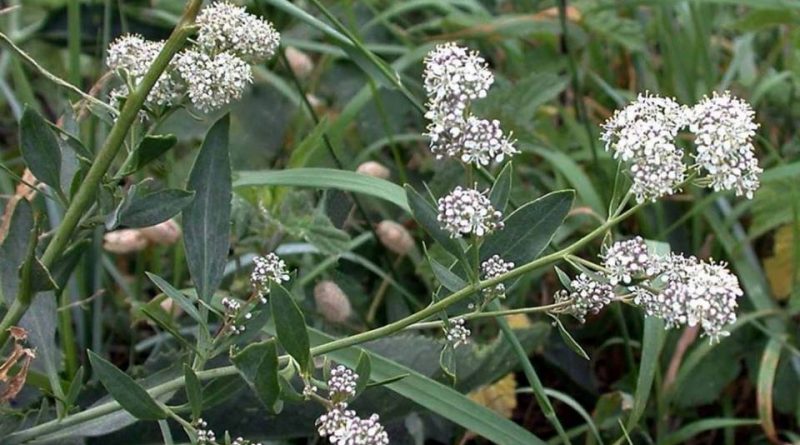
(491, 314)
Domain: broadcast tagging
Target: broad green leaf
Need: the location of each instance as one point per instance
(290, 325)
(14, 249)
(258, 365)
(324, 178)
(207, 220)
(529, 229)
(363, 369)
(437, 397)
(425, 215)
(40, 148)
(194, 391)
(132, 397)
(501, 189)
(653, 341)
(154, 208)
(176, 295)
(150, 149)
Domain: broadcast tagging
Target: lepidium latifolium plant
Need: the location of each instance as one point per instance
(243, 320)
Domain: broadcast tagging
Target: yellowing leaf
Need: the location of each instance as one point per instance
(782, 267)
(500, 396)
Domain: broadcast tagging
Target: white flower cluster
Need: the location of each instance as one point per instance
(269, 268)
(468, 211)
(343, 426)
(724, 129)
(694, 293)
(643, 134)
(204, 435)
(233, 315)
(457, 333)
(629, 259)
(587, 296)
(342, 384)
(243, 441)
(454, 76)
(227, 27)
(213, 73)
(491, 268)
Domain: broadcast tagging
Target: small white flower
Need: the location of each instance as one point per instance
(588, 296)
(457, 333)
(491, 268)
(204, 435)
(343, 427)
(133, 55)
(468, 211)
(456, 72)
(629, 259)
(724, 128)
(233, 310)
(269, 268)
(225, 27)
(213, 81)
(342, 384)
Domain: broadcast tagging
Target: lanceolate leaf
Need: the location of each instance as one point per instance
(40, 148)
(258, 365)
(194, 391)
(154, 208)
(501, 190)
(653, 341)
(130, 395)
(290, 325)
(150, 149)
(529, 229)
(206, 221)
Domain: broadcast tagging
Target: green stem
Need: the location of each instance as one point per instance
(177, 383)
(74, 41)
(491, 314)
(87, 193)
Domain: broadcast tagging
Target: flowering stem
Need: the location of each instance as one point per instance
(177, 383)
(87, 192)
(490, 314)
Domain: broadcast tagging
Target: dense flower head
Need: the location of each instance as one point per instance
(723, 126)
(588, 296)
(493, 267)
(468, 211)
(629, 259)
(471, 139)
(643, 135)
(456, 72)
(343, 427)
(205, 436)
(213, 80)
(342, 384)
(132, 54)
(225, 27)
(457, 332)
(694, 293)
(269, 268)
(232, 311)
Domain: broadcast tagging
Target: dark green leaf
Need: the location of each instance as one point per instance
(74, 388)
(568, 339)
(206, 221)
(132, 397)
(446, 277)
(150, 149)
(40, 148)
(653, 341)
(41, 279)
(258, 365)
(14, 250)
(290, 325)
(363, 369)
(153, 208)
(176, 295)
(529, 229)
(194, 391)
(501, 190)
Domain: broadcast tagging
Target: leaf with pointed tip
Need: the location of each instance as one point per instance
(258, 365)
(129, 394)
(176, 295)
(290, 325)
(501, 190)
(154, 208)
(194, 391)
(207, 219)
(150, 149)
(363, 369)
(40, 148)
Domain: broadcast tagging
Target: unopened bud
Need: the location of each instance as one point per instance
(395, 237)
(167, 232)
(374, 169)
(300, 63)
(332, 302)
(124, 241)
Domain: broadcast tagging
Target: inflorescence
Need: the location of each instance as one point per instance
(454, 77)
(493, 267)
(643, 135)
(212, 73)
(268, 269)
(342, 426)
(457, 333)
(205, 436)
(468, 211)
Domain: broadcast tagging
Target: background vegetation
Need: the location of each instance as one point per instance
(561, 68)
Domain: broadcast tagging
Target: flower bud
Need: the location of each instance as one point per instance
(300, 63)
(394, 237)
(332, 302)
(374, 169)
(124, 241)
(166, 233)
